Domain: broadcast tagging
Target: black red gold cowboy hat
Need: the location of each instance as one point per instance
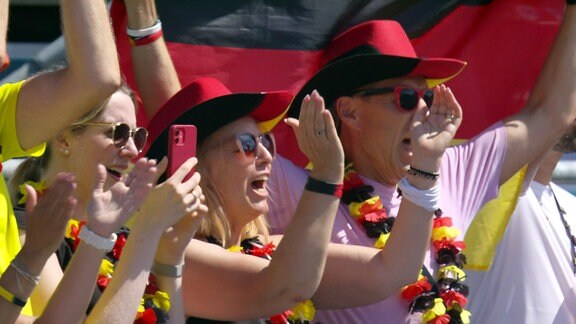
(369, 52)
(209, 105)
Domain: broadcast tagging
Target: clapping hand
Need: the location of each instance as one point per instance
(47, 217)
(109, 210)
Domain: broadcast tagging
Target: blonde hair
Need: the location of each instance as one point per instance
(216, 224)
(32, 168)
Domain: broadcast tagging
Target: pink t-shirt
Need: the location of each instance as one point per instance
(470, 176)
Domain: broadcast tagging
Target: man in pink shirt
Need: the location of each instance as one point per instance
(373, 81)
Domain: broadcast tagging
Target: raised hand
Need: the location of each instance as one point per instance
(175, 198)
(175, 239)
(109, 210)
(47, 217)
(434, 128)
(318, 139)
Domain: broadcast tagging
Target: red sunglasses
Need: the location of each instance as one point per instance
(248, 144)
(407, 98)
(121, 132)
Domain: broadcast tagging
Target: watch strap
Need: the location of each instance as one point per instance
(167, 270)
(101, 243)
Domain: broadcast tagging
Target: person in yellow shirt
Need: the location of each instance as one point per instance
(34, 110)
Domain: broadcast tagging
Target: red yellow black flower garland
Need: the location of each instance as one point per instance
(154, 305)
(442, 301)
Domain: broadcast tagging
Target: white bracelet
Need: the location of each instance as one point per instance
(144, 32)
(428, 199)
(105, 244)
(35, 280)
(167, 270)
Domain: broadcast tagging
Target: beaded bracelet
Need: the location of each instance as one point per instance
(423, 174)
(324, 187)
(9, 297)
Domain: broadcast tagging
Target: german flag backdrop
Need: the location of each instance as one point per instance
(262, 45)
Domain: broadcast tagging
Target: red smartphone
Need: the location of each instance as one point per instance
(181, 147)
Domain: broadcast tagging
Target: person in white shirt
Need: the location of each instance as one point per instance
(533, 275)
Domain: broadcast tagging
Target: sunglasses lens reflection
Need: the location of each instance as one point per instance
(121, 134)
(140, 136)
(268, 142)
(248, 144)
(408, 98)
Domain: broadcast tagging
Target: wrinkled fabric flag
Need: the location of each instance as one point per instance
(275, 45)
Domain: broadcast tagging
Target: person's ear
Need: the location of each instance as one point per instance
(347, 112)
(62, 142)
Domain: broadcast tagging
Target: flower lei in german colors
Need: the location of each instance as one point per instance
(154, 305)
(442, 301)
(302, 313)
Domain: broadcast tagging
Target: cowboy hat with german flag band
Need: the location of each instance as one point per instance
(209, 105)
(369, 52)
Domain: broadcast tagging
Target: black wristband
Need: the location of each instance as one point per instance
(9, 297)
(570, 2)
(324, 187)
(423, 174)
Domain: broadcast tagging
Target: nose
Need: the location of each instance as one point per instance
(263, 154)
(129, 150)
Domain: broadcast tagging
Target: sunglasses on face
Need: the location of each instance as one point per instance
(406, 98)
(248, 144)
(121, 132)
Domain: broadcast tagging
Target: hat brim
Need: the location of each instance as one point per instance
(338, 78)
(267, 109)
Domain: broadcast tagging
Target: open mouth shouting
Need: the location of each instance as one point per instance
(259, 185)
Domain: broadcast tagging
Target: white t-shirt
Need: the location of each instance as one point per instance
(532, 277)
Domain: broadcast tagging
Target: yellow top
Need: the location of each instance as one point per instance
(9, 148)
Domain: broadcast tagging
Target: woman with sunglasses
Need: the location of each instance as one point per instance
(34, 110)
(103, 143)
(275, 273)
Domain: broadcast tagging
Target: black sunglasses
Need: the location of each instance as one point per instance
(121, 132)
(248, 144)
(406, 98)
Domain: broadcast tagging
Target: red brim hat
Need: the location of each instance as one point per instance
(209, 105)
(369, 52)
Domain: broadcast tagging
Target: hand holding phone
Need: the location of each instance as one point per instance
(181, 147)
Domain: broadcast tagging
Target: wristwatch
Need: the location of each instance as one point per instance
(97, 241)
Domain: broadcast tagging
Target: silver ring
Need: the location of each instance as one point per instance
(450, 116)
(195, 197)
(191, 208)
